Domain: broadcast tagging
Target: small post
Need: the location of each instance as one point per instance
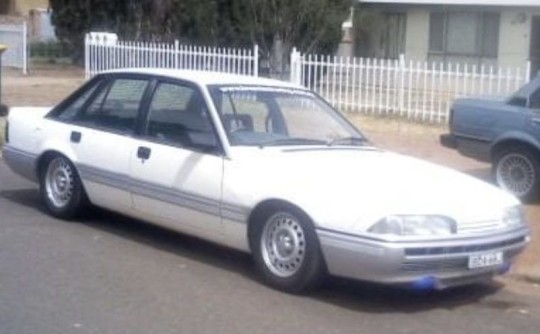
(3, 108)
(25, 49)
(256, 60)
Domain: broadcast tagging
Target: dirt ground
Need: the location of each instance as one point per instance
(47, 85)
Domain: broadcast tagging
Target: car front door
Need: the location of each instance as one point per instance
(177, 165)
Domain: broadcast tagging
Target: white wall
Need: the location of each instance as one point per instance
(514, 37)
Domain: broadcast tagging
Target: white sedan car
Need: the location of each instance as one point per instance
(268, 168)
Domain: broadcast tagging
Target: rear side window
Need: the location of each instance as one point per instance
(69, 112)
(116, 107)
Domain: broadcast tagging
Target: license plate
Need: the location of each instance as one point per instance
(485, 260)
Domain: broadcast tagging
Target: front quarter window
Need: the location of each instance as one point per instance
(178, 116)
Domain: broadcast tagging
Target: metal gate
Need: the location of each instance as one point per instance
(15, 37)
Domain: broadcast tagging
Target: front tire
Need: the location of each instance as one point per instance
(517, 170)
(61, 188)
(287, 251)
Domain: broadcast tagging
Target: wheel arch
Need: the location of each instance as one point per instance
(521, 140)
(46, 156)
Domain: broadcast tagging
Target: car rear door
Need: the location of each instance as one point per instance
(101, 136)
(177, 163)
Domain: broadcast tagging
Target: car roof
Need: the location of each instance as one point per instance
(208, 77)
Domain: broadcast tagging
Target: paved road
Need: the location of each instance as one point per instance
(109, 274)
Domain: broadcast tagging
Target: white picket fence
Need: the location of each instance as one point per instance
(418, 91)
(15, 37)
(414, 90)
(103, 51)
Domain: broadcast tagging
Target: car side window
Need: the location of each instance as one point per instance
(69, 112)
(178, 115)
(116, 107)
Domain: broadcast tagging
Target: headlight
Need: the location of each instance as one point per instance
(412, 225)
(514, 216)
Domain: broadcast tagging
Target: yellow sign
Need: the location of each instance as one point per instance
(3, 48)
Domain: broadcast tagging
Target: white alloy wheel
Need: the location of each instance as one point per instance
(61, 188)
(286, 249)
(516, 168)
(516, 173)
(59, 180)
(283, 244)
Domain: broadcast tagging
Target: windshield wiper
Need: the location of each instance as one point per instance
(348, 140)
(293, 141)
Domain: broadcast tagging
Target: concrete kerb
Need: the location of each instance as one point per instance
(525, 277)
(527, 269)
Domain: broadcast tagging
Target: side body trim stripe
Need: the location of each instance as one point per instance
(188, 200)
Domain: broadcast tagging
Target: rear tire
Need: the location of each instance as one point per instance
(286, 250)
(61, 188)
(517, 170)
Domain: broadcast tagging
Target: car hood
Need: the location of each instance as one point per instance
(483, 103)
(349, 188)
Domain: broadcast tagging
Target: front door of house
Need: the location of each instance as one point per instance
(535, 46)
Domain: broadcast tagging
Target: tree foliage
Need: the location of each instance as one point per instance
(275, 25)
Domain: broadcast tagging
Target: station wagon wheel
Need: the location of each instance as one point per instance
(61, 188)
(286, 250)
(517, 170)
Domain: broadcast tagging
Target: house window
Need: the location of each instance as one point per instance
(393, 38)
(380, 35)
(464, 34)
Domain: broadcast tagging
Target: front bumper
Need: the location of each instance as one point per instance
(444, 262)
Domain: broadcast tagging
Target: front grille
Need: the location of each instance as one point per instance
(434, 266)
(426, 251)
(445, 265)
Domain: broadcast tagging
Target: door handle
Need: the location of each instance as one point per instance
(143, 153)
(75, 137)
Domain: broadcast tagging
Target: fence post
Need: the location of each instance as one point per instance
(25, 49)
(295, 67)
(87, 56)
(402, 82)
(176, 53)
(256, 60)
(528, 70)
(3, 109)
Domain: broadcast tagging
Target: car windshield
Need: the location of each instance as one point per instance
(277, 116)
(523, 95)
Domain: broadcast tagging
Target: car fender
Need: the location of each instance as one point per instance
(514, 136)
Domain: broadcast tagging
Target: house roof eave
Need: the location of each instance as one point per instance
(475, 3)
